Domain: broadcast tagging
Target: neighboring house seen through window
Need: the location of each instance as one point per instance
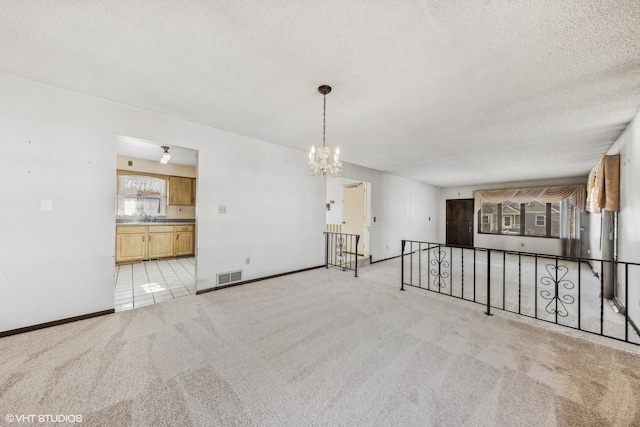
(521, 219)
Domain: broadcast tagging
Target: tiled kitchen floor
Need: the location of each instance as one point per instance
(150, 282)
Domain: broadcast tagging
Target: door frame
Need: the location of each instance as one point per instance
(336, 183)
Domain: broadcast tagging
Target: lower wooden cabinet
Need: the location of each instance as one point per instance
(184, 242)
(131, 244)
(136, 243)
(160, 241)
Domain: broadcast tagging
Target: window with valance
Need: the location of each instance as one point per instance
(535, 211)
(138, 194)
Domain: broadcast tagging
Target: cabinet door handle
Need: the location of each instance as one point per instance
(176, 237)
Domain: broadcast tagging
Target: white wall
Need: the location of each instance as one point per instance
(628, 146)
(512, 243)
(403, 209)
(593, 242)
(61, 146)
(334, 194)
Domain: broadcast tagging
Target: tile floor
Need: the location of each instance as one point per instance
(150, 282)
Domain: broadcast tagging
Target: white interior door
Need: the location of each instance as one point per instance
(353, 213)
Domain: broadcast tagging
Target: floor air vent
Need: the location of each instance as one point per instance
(233, 276)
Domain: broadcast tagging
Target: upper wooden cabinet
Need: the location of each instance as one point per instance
(193, 191)
(181, 191)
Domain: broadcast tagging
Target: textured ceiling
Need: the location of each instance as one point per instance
(446, 92)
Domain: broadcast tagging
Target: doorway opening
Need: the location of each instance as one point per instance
(349, 211)
(155, 221)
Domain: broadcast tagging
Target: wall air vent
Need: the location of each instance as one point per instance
(230, 277)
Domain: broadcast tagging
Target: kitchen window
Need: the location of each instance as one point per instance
(140, 195)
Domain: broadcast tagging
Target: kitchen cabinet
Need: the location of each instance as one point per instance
(160, 241)
(141, 242)
(181, 191)
(131, 243)
(193, 191)
(183, 240)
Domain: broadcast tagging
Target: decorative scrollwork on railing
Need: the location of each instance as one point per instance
(340, 256)
(556, 278)
(440, 264)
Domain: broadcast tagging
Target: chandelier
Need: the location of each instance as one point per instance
(321, 161)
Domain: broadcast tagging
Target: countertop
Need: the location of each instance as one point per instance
(164, 222)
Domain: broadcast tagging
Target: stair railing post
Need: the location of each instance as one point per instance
(357, 240)
(402, 266)
(488, 312)
(326, 250)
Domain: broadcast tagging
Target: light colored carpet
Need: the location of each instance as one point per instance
(517, 285)
(319, 348)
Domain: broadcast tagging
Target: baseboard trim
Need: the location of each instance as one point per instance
(244, 282)
(634, 326)
(54, 323)
(623, 311)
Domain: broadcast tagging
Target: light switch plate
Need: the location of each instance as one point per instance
(46, 205)
(222, 209)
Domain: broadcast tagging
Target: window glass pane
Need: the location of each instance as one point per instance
(555, 219)
(533, 224)
(489, 218)
(139, 193)
(510, 218)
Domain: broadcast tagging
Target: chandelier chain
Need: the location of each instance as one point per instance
(324, 119)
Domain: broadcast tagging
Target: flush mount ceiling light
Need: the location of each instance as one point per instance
(166, 156)
(321, 162)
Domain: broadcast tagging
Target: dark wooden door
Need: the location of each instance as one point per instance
(460, 222)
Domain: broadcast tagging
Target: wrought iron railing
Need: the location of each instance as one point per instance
(555, 289)
(341, 250)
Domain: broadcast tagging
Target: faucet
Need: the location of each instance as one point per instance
(146, 217)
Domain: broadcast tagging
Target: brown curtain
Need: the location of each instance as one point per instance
(603, 185)
(577, 194)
